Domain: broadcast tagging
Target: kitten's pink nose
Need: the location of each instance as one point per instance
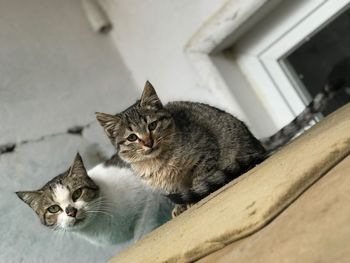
(147, 141)
(71, 211)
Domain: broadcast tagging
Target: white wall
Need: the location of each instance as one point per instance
(54, 74)
(151, 35)
(54, 71)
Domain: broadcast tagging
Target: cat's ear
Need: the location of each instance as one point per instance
(108, 122)
(31, 198)
(77, 168)
(149, 98)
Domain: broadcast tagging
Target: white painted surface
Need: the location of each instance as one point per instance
(255, 114)
(270, 30)
(151, 36)
(211, 79)
(216, 69)
(231, 20)
(99, 21)
(168, 43)
(55, 72)
(259, 53)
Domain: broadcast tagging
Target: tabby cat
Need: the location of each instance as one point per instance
(190, 149)
(179, 148)
(106, 205)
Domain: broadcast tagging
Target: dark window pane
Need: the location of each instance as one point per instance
(315, 58)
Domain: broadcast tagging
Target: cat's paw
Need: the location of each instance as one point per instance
(178, 209)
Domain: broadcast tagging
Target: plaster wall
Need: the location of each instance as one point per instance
(151, 36)
(54, 74)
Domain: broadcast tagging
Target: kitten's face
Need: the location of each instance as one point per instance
(141, 132)
(67, 201)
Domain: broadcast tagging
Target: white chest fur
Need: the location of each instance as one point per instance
(133, 208)
(171, 176)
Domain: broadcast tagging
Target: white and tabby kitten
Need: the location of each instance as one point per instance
(106, 205)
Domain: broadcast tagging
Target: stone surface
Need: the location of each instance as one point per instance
(314, 229)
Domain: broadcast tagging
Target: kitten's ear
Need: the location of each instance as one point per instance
(149, 98)
(77, 168)
(108, 122)
(31, 198)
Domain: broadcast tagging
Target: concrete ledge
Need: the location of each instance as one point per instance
(249, 203)
(315, 228)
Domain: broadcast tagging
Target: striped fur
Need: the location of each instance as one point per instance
(190, 155)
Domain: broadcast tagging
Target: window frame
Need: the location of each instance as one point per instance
(264, 53)
(261, 35)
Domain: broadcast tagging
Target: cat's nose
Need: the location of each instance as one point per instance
(71, 211)
(148, 142)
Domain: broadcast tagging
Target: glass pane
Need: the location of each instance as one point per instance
(310, 63)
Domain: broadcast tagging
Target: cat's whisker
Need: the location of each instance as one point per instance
(59, 233)
(106, 205)
(95, 212)
(99, 207)
(101, 203)
(100, 212)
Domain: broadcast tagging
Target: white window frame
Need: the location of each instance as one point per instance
(267, 37)
(263, 53)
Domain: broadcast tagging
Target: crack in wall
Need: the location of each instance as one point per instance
(7, 148)
(10, 147)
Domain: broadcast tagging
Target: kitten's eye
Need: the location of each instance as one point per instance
(54, 209)
(152, 125)
(132, 137)
(76, 194)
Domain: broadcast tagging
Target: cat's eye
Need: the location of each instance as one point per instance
(152, 125)
(76, 194)
(132, 137)
(54, 209)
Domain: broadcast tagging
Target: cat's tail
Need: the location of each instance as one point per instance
(338, 79)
